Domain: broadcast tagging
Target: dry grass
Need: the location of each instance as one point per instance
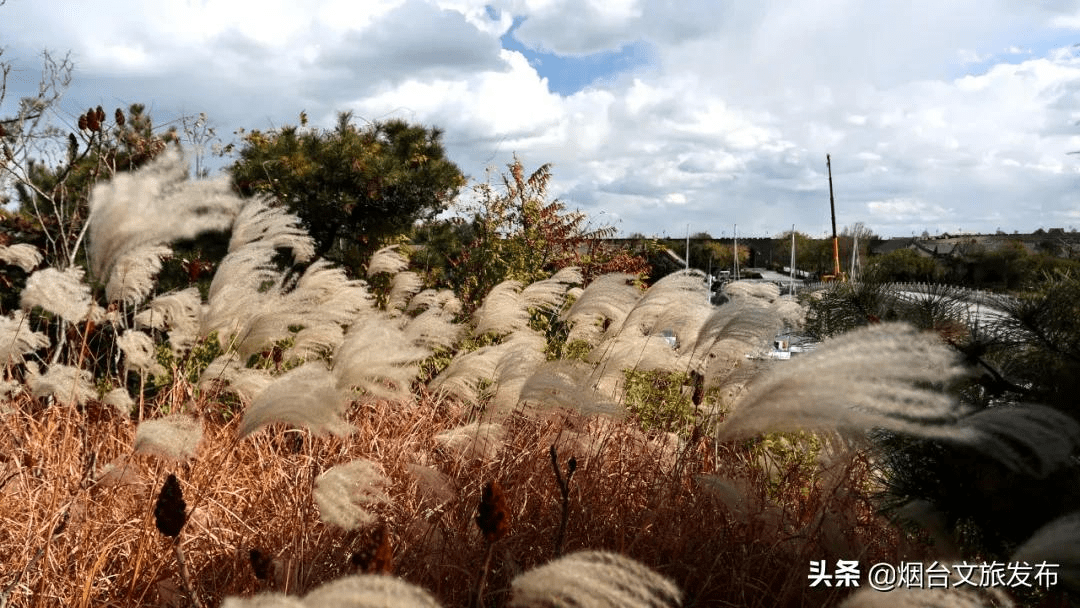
(68, 541)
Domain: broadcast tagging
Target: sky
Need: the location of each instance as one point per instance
(658, 117)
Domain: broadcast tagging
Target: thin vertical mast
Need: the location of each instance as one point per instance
(793, 260)
(832, 210)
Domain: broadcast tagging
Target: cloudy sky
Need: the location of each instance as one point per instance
(954, 115)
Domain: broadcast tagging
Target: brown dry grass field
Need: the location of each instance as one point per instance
(68, 540)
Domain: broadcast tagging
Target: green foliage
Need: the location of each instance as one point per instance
(657, 399)
(517, 233)
(786, 457)
(811, 255)
(902, 265)
(190, 365)
(352, 187)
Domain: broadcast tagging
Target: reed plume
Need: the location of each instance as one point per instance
(594, 579)
(177, 313)
(65, 383)
(475, 441)
(176, 436)
(136, 215)
(388, 260)
(875, 377)
(61, 292)
(17, 340)
(23, 255)
(304, 396)
(345, 493)
(139, 355)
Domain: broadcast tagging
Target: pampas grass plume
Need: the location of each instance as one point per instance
(16, 338)
(594, 579)
(479, 441)
(120, 400)
(344, 492)
(304, 396)
(873, 377)
(357, 591)
(139, 353)
(65, 383)
(61, 292)
(175, 436)
(23, 255)
(388, 260)
(1058, 542)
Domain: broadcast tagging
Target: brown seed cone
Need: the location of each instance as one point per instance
(82, 122)
(119, 116)
(260, 563)
(100, 114)
(169, 512)
(378, 556)
(493, 517)
(92, 122)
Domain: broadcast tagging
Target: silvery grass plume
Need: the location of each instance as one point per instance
(606, 301)
(468, 371)
(403, 287)
(139, 355)
(1058, 542)
(747, 289)
(378, 358)
(502, 311)
(356, 591)
(432, 329)
(178, 314)
(120, 401)
(679, 300)
(506, 308)
(475, 441)
(465, 374)
(135, 214)
(9, 389)
(304, 396)
(958, 595)
(734, 331)
(132, 277)
(518, 359)
(874, 377)
(61, 292)
(23, 255)
(247, 303)
(244, 280)
(176, 437)
(1031, 439)
(273, 227)
(64, 383)
(388, 260)
(17, 340)
(566, 384)
(323, 302)
(345, 492)
(594, 579)
(430, 298)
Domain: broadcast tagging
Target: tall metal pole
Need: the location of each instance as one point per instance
(793, 260)
(735, 235)
(688, 246)
(832, 209)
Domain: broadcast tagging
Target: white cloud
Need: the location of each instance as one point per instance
(935, 113)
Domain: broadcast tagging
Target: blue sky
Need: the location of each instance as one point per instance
(939, 116)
